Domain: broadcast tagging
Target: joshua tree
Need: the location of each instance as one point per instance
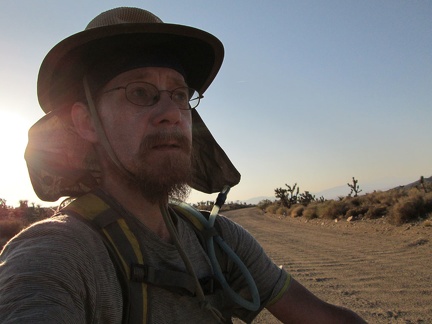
(354, 188)
(3, 203)
(306, 198)
(422, 184)
(288, 197)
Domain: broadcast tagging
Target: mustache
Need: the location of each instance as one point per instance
(166, 138)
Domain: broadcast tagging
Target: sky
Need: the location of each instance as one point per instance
(310, 92)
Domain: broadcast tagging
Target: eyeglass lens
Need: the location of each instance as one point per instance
(146, 94)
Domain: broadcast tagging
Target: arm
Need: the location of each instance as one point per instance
(299, 305)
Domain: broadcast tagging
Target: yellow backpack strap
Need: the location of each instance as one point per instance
(122, 246)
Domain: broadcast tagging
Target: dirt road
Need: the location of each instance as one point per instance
(381, 271)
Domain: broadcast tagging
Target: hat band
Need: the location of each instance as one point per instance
(107, 69)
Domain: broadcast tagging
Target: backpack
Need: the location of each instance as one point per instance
(105, 217)
(101, 214)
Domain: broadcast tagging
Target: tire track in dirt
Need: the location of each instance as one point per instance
(384, 275)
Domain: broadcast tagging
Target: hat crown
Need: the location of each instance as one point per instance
(123, 15)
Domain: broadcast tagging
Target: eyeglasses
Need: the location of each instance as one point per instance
(146, 94)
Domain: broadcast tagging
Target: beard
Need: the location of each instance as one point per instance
(160, 175)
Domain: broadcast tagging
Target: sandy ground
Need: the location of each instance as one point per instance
(382, 272)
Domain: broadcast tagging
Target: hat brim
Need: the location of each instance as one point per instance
(199, 53)
(59, 160)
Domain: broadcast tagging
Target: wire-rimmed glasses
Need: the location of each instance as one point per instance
(146, 94)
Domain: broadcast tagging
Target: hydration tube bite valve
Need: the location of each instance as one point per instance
(222, 196)
(220, 201)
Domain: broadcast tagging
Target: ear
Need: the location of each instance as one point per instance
(83, 122)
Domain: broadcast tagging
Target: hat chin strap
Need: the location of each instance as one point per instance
(102, 134)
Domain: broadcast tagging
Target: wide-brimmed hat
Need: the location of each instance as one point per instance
(60, 162)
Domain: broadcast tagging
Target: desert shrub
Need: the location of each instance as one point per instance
(4, 212)
(357, 211)
(354, 201)
(376, 211)
(407, 209)
(282, 210)
(204, 205)
(297, 211)
(263, 204)
(272, 209)
(373, 198)
(427, 200)
(393, 197)
(235, 205)
(34, 214)
(9, 228)
(388, 198)
(310, 212)
(334, 209)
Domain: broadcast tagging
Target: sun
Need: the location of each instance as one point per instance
(13, 140)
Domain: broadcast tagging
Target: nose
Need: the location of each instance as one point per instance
(166, 111)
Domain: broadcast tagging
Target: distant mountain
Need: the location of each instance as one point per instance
(416, 183)
(344, 190)
(380, 185)
(256, 200)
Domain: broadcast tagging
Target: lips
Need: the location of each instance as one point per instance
(166, 146)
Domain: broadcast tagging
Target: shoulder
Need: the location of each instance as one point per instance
(59, 267)
(232, 232)
(61, 248)
(61, 245)
(59, 233)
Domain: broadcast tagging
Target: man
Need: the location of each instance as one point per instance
(121, 134)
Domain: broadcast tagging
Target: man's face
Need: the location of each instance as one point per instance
(153, 143)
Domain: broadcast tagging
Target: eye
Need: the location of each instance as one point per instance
(142, 94)
(181, 95)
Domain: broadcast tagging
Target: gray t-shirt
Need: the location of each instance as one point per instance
(59, 271)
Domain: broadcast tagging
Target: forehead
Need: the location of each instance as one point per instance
(149, 74)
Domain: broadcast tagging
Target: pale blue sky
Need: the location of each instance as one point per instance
(310, 92)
